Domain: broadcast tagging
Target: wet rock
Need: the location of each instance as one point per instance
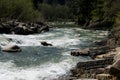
(23, 30)
(11, 48)
(44, 29)
(46, 44)
(80, 52)
(100, 42)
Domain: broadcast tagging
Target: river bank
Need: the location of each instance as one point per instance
(105, 63)
(22, 28)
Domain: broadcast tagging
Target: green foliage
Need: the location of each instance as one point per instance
(84, 11)
(18, 9)
(91, 11)
(54, 12)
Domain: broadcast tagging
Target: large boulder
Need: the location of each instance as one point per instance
(11, 48)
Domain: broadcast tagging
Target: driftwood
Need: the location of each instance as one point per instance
(92, 64)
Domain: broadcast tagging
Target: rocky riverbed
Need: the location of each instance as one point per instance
(106, 60)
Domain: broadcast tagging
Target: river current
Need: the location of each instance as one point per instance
(37, 62)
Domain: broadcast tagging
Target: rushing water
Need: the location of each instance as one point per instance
(37, 62)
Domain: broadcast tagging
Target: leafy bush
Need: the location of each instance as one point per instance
(19, 9)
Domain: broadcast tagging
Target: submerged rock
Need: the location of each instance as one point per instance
(11, 48)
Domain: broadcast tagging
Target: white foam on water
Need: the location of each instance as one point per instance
(47, 71)
(65, 39)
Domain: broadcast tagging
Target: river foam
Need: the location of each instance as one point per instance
(44, 63)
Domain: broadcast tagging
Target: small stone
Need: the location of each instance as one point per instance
(11, 48)
(46, 44)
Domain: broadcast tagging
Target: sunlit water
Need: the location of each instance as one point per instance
(37, 62)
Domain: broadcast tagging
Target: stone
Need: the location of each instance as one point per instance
(92, 64)
(46, 44)
(104, 77)
(80, 52)
(44, 28)
(11, 48)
